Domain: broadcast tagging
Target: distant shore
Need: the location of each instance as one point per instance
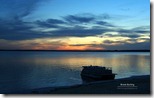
(84, 50)
(130, 85)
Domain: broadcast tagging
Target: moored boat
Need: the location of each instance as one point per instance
(96, 73)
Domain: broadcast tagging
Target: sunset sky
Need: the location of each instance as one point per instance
(75, 24)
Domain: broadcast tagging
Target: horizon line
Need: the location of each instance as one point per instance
(144, 50)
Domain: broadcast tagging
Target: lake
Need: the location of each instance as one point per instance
(22, 70)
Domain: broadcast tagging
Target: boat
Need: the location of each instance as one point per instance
(96, 73)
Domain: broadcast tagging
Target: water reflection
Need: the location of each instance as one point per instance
(26, 70)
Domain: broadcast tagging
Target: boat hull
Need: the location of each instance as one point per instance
(90, 78)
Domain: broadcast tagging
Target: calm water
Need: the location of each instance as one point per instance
(21, 70)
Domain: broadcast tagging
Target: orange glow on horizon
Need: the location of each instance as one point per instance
(70, 43)
(79, 48)
(64, 47)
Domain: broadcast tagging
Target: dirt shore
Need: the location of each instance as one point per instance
(130, 85)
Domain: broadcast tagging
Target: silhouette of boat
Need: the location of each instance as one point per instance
(96, 73)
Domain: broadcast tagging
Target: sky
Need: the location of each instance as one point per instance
(75, 24)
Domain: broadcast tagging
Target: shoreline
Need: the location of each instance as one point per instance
(130, 85)
(82, 50)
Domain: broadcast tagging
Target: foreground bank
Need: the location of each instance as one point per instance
(130, 85)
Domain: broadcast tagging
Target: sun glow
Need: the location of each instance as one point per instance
(72, 43)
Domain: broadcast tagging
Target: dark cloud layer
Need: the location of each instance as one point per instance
(17, 9)
(134, 30)
(20, 30)
(129, 46)
(46, 24)
(103, 23)
(49, 23)
(78, 19)
(55, 21)
(126, 35)
(13, 26)
(77, 32)
(121, 46)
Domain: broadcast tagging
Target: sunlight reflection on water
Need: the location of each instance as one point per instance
(27, 70)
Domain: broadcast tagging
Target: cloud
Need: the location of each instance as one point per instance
(85, 18)
(110, 42)
(129, 46)
(31, 44)
(17, 29)
(79, 44)
(78, 25)
(78, 19)
(142, 29)
(50, 23)
(86, 47)
(17, 9)
(12, 26)
(14, 29)
(123, 46)
(20, 30)
(77, 32)
(105, 16)
(55, 21)
(103, 23)
(139, 30)
(130, 35)
(46, 24)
